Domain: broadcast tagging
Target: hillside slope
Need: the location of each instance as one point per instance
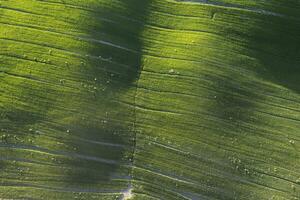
(149, 99)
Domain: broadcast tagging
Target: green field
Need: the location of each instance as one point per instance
(150, 99)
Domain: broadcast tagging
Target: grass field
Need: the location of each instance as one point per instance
(150, 99)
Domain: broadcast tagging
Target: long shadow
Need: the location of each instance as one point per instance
(276, 43)
(275, 40)
(112, 67)
(101, 133)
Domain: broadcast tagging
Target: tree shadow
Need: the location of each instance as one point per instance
(109, 70)
(272, 40)
(275, 42)
(94, 128)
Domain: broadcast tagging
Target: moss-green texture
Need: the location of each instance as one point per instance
(175, 100)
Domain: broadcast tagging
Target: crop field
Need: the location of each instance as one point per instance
(150, 99)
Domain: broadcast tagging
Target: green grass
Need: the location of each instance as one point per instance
(176, 100)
